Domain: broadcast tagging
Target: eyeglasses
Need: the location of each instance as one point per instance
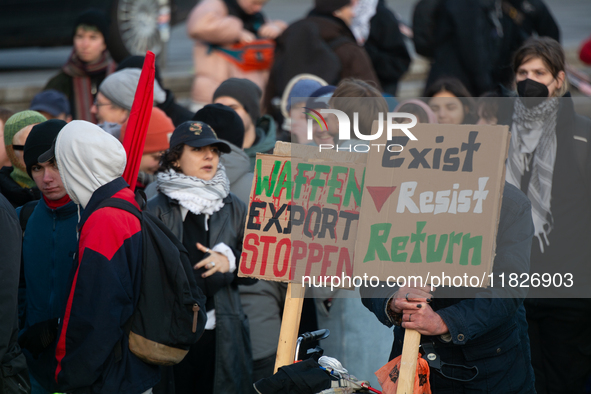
(97, 104)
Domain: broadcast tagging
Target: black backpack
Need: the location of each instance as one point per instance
(170, 314)
(301, 49)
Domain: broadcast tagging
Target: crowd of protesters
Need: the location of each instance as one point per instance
(71, 267)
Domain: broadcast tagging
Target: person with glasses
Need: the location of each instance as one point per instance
(114, 99)
(15, 183)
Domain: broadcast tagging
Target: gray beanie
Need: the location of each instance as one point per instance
(120, 88)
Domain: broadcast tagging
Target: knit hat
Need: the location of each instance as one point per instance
(320, 97)
(96, 18)
(302, 90)
(13, 125)
(329, 6)
(19, 121)
(245, 92)
(159, 131)
(40, 139)
(120, 88)
(51, 101)
(224, 121)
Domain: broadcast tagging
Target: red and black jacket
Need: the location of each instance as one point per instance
(105, 290)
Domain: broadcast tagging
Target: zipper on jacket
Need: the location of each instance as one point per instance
(195, 310)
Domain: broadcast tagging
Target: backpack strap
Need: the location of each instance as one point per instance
(121, 204)
(127, 207)
(25, 214)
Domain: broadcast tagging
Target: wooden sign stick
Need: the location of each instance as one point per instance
(290, 324)
(408, 362)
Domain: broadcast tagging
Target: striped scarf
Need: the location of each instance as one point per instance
(534, 133)
(81, 72)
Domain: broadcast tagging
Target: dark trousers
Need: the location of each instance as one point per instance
(560, 339)
(196, 373)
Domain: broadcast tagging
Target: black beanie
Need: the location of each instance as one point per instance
(96, 18)
(224, 121)
(329, 6)
(136, 61)
(245, 92)
(40, 140)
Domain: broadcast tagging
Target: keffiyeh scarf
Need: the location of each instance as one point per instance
(534, 131)
(196, 195)
(364, 11)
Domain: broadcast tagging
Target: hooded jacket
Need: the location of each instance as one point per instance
(107, 277)
(266, 130)
(237, 165)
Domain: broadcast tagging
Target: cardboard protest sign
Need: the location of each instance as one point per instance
(433, 208)
(302, 218)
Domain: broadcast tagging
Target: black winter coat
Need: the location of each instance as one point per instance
(12, 362)
(386, 48)
(487, 329)
(463, 47)
(176, 112)
(233, 370)
(521, 19)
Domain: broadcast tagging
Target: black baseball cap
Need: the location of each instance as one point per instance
(48, 154)
(197, 134)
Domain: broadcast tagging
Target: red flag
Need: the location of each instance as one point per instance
(139, 119)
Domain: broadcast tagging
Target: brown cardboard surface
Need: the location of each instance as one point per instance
(321, 198)
(433, 208)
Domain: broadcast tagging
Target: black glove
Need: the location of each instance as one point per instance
(39, 336)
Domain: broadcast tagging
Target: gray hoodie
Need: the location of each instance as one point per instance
(237, 165)
(87, 158)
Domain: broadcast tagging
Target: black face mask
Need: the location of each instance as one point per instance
(532, 93)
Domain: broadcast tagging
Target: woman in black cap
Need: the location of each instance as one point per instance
(195, 202)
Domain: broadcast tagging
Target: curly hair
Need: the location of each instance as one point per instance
(170, 158)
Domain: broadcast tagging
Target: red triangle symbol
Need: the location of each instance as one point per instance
(380, 194)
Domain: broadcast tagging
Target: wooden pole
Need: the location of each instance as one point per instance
(290, 324)
(408, 362)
